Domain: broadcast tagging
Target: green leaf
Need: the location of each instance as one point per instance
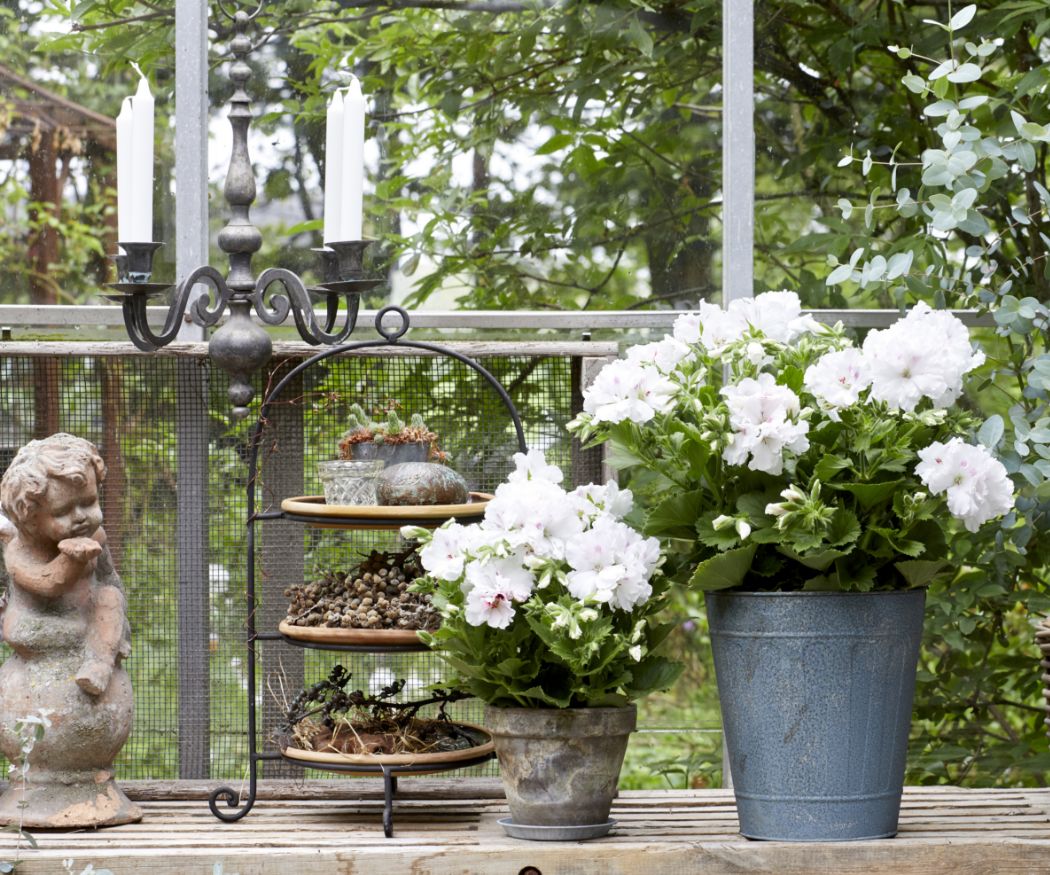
(558, 141)
(820, 561)
(920, 572)
(640, 37)
(829, 466)
(724, 570)
(652, 674)
(963, 17)
(991, 432)
(869, 494)
(675, 516)
(821, 583)
(844, 528)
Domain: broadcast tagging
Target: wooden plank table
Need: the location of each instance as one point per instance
(449, 828)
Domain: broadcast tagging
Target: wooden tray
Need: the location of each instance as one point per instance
(345, 761)
(328, 635)
(313, 510)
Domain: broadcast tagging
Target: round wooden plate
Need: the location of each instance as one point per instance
(424, 760)
(314, 506)
(328, 635)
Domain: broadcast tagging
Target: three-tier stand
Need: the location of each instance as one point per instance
(313, 513)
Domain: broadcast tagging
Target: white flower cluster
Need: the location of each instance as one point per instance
(977, 485)
(765, 421)
(534, 529)
(628, 390)
(924, 355)
(642, 385)
(777, 315)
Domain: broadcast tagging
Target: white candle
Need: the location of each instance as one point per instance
(124, 170)
(353, 162)
(333, 168)
(141, 194)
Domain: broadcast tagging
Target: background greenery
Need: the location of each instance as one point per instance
(532, 155)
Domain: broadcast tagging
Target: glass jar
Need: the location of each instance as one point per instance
(349, 482)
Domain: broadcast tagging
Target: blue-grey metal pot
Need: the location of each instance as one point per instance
(816, 693)
(392, 454)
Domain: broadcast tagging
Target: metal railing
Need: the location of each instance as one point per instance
(14, 317)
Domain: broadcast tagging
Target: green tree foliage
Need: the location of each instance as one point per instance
(542, 155)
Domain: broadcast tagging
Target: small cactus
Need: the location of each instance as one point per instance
(391, 429)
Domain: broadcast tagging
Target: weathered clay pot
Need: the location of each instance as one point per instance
(420, 483)
(392, 454)
(560, 767)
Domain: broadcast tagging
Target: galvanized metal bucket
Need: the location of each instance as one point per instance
(816, 693)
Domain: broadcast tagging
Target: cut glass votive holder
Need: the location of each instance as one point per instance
(350, 482)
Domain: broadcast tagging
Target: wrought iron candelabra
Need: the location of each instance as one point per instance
(240, 346)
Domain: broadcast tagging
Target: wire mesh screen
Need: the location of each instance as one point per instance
(175, 513)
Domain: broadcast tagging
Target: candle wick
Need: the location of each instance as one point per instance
(137, 69)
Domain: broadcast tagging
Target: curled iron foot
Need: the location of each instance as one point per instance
(232, 800)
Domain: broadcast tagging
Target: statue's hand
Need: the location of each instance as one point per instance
(81, 550)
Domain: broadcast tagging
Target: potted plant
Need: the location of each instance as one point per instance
(801, 483)
(390, 439)
(367, 448)
(547, 610)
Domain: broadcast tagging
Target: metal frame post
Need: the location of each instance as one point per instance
(191, 249)
(738, 149)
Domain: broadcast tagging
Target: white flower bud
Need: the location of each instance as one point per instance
(743, 529)
(793, 493)
(776, 509)
(636, 652)
(721, 522)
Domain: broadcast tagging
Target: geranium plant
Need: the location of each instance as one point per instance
(779, 455)
(549, 602)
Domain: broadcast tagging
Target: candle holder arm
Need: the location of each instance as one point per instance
(298, 301)
(134, 299)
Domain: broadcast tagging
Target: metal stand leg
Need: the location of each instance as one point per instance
(232, 798)
(389, 789)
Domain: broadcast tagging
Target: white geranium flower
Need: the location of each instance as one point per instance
(977, 485)
(627, 390)
(764, 419)
(443, 557)
(487, 608)
(506, 575)
(664, 355)
(612, 563)
(924, 355)
(711, 327)
(778, 315)
(533, 466)
(591, 500)
(837, 379)
(535, 515)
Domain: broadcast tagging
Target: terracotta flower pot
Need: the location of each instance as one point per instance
(560, 767)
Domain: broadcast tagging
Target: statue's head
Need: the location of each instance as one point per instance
(51, 488)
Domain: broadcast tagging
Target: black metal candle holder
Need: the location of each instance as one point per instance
(240, 346)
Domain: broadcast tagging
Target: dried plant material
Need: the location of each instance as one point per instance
(327, 718)
(374, 595)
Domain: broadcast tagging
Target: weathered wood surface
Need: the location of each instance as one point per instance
(296, 349)
(942, 829)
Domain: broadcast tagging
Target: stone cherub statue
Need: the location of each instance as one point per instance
(65, 621)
